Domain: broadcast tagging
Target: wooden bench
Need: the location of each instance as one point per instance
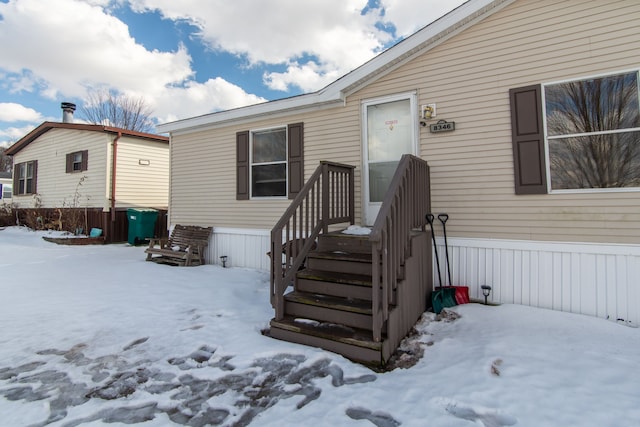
(185, 246)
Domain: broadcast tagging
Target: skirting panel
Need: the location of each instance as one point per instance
(242, 248)
(594, 279)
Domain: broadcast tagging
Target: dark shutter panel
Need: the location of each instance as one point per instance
(242, 165)
(16, 179)
(295, 134)
(85, 160)
(35, 177)
(528, 140)
(69, 168)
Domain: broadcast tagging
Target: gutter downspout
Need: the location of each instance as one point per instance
(114, 147)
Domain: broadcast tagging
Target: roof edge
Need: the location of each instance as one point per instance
(47, 126)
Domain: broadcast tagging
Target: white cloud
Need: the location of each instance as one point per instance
(10, 135)
(408, 16)
(68, 46)
(195, 99)
(71, 44)
(12, 112)
(318, 41)
(327, 38)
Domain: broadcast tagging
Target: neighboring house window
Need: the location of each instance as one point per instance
(5, 191)
(592, 135)
(77, 162)
(25, 178)
(270, 162)
(593, 132)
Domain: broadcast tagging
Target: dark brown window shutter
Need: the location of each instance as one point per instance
(85, 160)
(35, 177)
(528, 140)
(16, 179)
(242, 165)
(69, 168)
(295, 134)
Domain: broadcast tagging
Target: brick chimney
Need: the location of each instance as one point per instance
(67, 112)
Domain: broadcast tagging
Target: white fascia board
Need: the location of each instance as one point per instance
(301, 103)
(335, 93)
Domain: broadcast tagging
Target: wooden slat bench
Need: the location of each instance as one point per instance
(185, 246)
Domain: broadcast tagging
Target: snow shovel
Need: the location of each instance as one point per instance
(438, 296)
(460, 293)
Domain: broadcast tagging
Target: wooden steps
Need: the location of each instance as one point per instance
(330, 304)
(330, 307)
(352, 343)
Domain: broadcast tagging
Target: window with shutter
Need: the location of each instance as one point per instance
(77, 162)
(270, 162)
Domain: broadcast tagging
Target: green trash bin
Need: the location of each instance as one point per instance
(142, 223)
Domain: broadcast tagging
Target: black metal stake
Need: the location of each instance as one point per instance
(443, 219)
(486, 290)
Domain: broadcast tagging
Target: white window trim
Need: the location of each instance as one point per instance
(286, 162)
(547, 137)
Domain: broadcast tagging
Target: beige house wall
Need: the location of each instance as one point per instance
(468, 77)
(56, 187)
(203, 167)
(576, 252)
(142, 173)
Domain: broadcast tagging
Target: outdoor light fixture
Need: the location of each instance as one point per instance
(223, 258)
(486, 290)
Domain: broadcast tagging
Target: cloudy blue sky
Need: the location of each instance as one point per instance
(187, 57)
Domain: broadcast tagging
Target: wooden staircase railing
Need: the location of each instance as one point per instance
(327, 198)
(404, 207)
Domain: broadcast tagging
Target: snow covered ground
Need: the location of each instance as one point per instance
(94, 335)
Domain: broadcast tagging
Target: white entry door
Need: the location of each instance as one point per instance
(390, 130)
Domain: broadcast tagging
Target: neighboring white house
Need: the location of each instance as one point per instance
(528, 115)
(6, 187)
(102, 169)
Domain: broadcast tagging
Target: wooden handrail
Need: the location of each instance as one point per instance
(403, 210)
(327, 198)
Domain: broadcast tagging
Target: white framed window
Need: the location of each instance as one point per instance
(6, 191)
(268, 158)
(25, 178)
(592, 132)
(77, 161)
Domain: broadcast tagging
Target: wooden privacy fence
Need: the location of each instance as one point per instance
(114, 228)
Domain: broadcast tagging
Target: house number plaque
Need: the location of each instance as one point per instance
(442, 126)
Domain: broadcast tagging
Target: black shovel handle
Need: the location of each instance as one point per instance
(443, 217)
(430, 218)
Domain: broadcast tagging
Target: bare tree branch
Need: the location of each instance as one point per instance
(111, 109)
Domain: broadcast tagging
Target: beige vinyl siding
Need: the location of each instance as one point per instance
(203, 182)
(142, 185)
(469, 77)
(56, 187)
